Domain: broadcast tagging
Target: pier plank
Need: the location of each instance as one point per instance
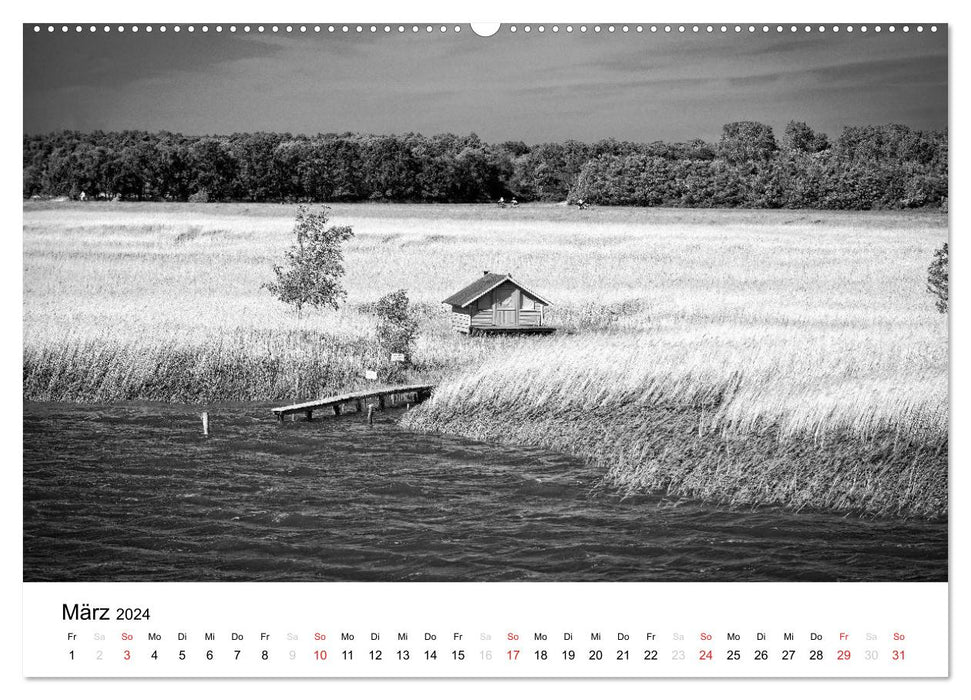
(334, 403)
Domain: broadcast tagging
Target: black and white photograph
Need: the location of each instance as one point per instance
(512, 303)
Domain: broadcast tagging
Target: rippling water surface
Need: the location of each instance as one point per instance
(135, 492)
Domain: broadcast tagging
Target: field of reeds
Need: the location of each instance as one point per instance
(746, 357)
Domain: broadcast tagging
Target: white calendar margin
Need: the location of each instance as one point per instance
(441, 10)
(494, 627)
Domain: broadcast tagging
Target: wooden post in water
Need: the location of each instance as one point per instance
(370, 414)
(205, 423)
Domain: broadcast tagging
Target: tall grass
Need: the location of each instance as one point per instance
(750, 419)
(750, 357)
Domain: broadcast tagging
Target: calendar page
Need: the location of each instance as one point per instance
(517, 350)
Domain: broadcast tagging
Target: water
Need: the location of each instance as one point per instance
(136, 493)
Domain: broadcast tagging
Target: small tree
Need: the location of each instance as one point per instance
(937, 278)
(397, 324)
(313, 267)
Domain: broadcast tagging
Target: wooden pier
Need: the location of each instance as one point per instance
(411, 393)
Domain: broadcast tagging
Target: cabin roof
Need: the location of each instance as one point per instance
(484, 285)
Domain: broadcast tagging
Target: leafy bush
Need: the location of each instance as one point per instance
(397, 324)
(937, 278)
(747, 141)
(800, 137)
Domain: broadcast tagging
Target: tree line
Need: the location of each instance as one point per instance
(865, 167)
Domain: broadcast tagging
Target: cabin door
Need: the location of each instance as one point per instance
(506, 307)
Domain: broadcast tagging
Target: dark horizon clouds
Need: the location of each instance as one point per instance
(531, 87)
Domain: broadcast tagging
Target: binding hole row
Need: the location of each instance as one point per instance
(513, 28)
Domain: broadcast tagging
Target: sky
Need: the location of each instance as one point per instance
(511, 86)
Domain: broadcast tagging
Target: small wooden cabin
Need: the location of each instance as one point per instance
(496, 303)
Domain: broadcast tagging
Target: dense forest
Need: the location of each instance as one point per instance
(891, 167)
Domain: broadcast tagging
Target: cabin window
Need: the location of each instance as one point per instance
(527, 304)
